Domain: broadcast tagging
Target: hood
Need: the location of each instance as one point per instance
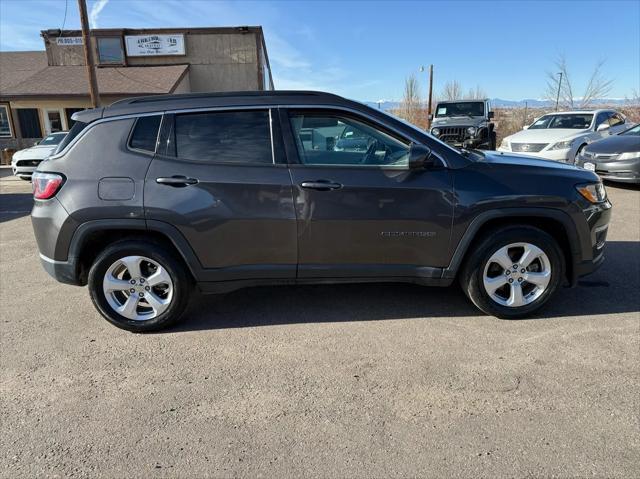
(38, 152)
(528, 161)
(548, 135)
(458, 121)
(615, 144)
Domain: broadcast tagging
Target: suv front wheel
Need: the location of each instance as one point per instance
(513, 272)
(139, 286)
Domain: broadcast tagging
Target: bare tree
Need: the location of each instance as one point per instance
(597, 87)
(476, 94)
(410, 108)
(452, 90)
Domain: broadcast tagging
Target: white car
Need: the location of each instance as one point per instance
(24, 162)
(561, 136)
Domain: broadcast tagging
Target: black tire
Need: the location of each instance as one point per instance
(493, 139)
(578, 151)
(176, 269)
(471, 276)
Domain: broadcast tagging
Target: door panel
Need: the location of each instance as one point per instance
(238, 218)
(391, 220)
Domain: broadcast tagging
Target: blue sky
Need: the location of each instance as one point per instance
(365, 49)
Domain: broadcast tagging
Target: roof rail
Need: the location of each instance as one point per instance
(189, 96)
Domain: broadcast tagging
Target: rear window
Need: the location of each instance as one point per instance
(224, 137)
(77, 127)
(145, 133)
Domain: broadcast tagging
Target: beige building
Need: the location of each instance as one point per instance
(40, 90)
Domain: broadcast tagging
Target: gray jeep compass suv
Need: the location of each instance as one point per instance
(151, 197)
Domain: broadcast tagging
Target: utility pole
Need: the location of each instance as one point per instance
(430, 97)
(558, 96)
(88, 55)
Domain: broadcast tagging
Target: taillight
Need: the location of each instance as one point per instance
(45, 185)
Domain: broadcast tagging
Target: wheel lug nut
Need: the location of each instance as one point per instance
(515, 266)
(147, 288)
(141, 280)
(132, 290)
(523, 270)
(507, 272)
(510, 280)
(133, 281)
(520, 280)
(141, 294)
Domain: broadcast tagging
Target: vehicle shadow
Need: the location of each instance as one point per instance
(604, 292)
(15, 205)
(622, 186)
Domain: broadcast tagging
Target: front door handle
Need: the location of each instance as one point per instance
(176, 181)
(321, 185)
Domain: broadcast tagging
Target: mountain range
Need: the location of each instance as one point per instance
(387, 105)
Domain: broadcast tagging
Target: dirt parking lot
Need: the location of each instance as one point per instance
(341, 381)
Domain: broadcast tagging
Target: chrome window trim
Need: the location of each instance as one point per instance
(269, 106)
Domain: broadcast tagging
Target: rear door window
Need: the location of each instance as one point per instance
(224, 137)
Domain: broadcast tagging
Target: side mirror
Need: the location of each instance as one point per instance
(490, 115)
(525, 127)
(419, 156)
(603, 126)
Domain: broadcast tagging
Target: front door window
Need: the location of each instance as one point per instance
(328, 139)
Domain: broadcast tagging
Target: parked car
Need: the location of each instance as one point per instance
(465, 123)
(562, 136)
(616, 158)
(224, 191)
(24, 162)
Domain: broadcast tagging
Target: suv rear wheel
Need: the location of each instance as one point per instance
(513, 272)
(139, 286)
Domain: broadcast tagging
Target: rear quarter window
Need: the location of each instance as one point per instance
(145, 133)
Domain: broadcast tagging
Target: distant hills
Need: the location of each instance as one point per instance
(500, 103)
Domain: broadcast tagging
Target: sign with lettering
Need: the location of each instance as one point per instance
(154, 45)
(69, 41)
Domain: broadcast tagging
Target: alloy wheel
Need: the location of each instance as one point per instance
(138, 287)
(517, 274)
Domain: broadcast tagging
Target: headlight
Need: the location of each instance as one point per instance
(630, 155)
(505, 144)
(593, 192)
(562, 145)
(472, 130)
(435, 131)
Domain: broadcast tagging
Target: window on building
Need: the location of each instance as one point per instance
(53, 121)
(29, 122)
(224, 137)
(145, 133)
(110, 51)
(328, 139)
(68, 112)
(5, 122)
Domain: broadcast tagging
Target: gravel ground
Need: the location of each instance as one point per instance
(341, 381)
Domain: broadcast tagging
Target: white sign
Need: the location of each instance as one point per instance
(69, 41)
(153, 45)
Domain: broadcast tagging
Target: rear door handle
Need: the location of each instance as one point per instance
(176, 181)
(321, 185)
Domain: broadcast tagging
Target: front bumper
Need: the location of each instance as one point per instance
(624, 171)
(24, 172)
(597, 218)
(554, 155)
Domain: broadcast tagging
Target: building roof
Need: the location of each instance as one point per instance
(72, 81)
(15, 67)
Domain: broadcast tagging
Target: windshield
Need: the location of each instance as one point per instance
(465, 108)
(571, 121)
(51, 140)
(633, 131)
